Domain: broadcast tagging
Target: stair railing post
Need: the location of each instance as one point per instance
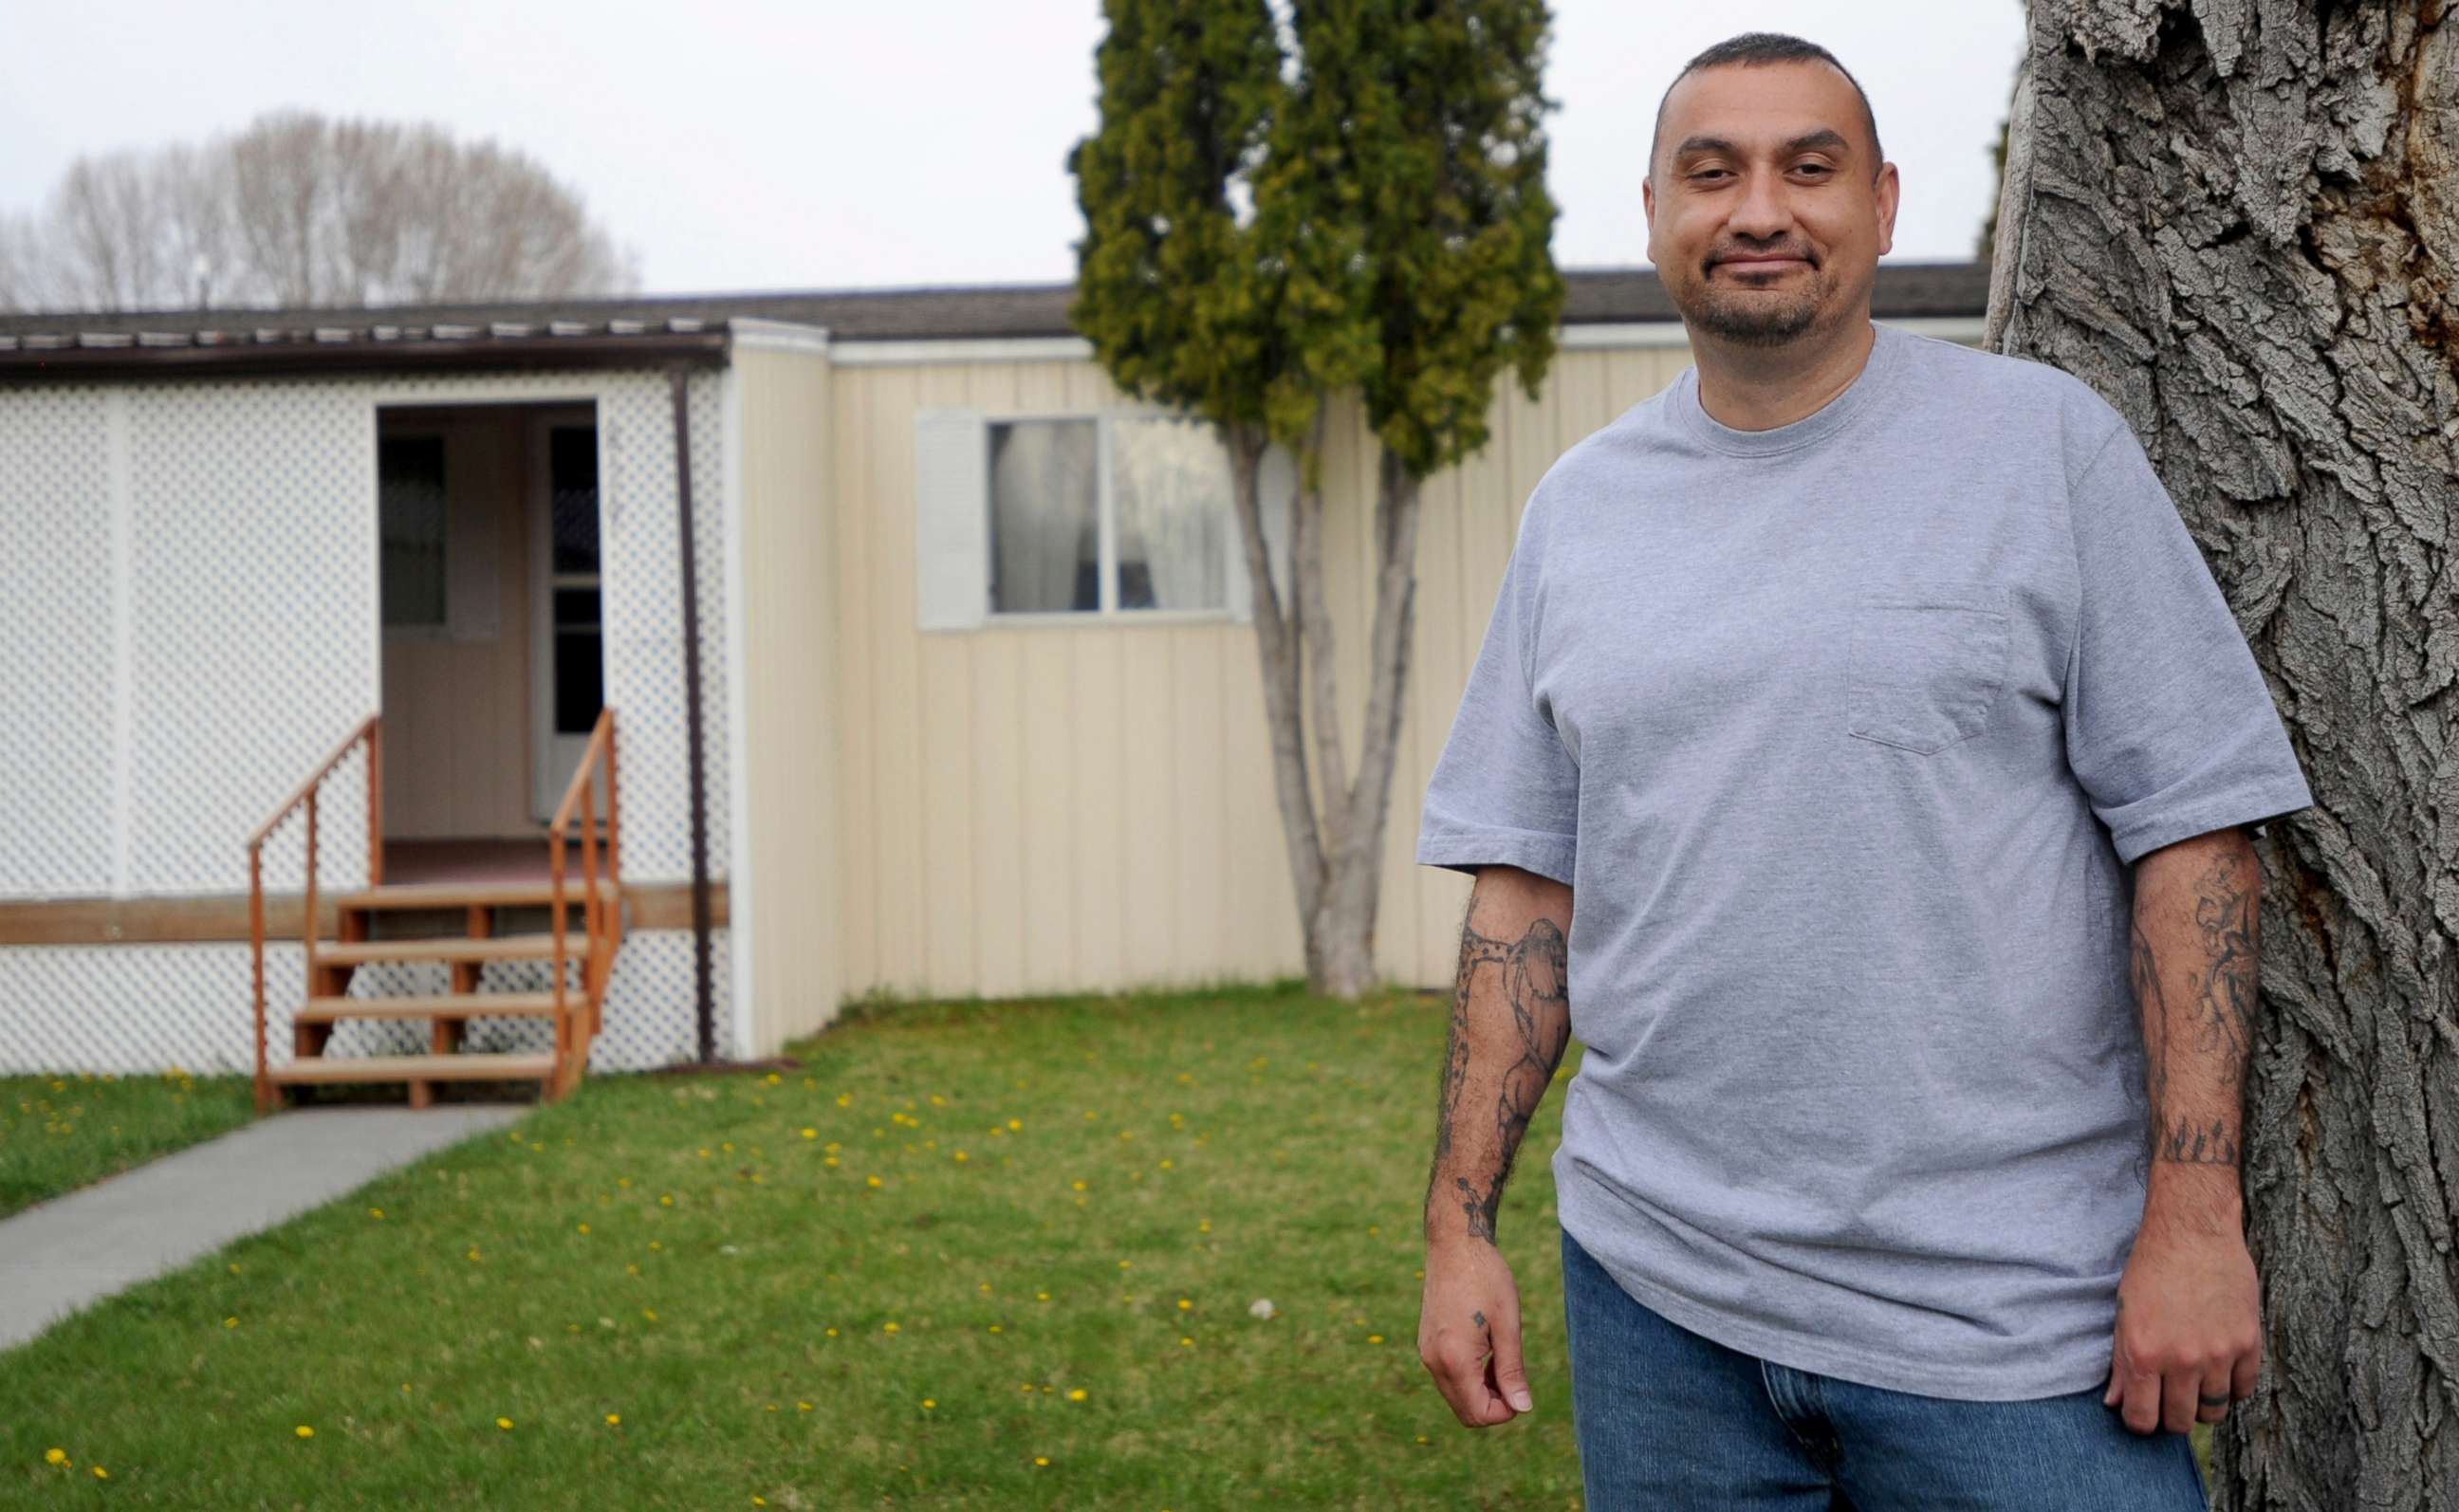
(256, 952)
(562, 1015)
(375, 802)
(307, 926)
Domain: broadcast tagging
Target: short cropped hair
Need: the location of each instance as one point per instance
(1768, 47)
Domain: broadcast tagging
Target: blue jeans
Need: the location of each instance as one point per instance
(1669, 1421)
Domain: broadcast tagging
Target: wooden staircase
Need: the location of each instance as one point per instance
(473, 911)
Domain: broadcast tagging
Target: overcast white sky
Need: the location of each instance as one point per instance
(837, 144)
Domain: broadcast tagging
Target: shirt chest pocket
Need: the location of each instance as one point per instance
(1924, 663)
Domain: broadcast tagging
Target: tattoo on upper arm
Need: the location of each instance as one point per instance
(1536, 988)
(2227, 921)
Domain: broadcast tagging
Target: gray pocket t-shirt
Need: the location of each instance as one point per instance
(1845, 735)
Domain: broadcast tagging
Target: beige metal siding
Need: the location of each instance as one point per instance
(1061, 809)
(793, 880)
(1085, 808)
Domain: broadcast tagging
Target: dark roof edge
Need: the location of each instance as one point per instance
(491, 355)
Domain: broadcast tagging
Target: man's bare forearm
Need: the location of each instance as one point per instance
(2194, 967)
(1511, 1017)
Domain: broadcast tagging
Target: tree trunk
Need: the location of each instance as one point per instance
(2237, 219)
(1335, 857)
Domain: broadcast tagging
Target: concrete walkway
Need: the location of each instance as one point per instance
(57, 1256)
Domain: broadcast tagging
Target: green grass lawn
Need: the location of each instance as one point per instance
(985, 1256)
(58, 1133)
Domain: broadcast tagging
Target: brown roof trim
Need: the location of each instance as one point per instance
(325, 357)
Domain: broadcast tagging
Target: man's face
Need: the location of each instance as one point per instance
(1791, 181)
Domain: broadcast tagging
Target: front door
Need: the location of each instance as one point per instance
(569, 685)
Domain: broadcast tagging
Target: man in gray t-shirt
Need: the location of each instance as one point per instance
(1838, 704)
(1844, 734)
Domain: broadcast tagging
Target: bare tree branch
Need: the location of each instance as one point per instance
(300, 210)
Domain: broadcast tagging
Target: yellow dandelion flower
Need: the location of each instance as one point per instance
(305, 1432)
(811, 1133)
(804, 1406)
(1043, 1296)
(1079, 1186)
(1090, 1115)
(234, 1268)
(650, 1313)
(473, 1254)
(1168, 1165)
(703, 1153)
(632, 1270)
(614, 1417)
(1126, 1264)
(995, 1327)
(1186, 1343)
(726, 1145)
(1016, 1123)
(375, 1212)
(1206, 1227)
(888, 1328)
(960, 1155)
(1078, 1394)
(657, 1243)
(504, 1423)
(874, 1181)
(584, 1227)
(770, 1078)
(55, 1457)
(1374, 1338)
(759, 1500)
(1042, 1459)
(844, 1099)
(928, 1404)
(832, 1333)
(231, 1322)
(831, 1161)
(666, 1201)
(100, 1474)
(1183, 1303)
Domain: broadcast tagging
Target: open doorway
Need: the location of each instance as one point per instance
(494, 652)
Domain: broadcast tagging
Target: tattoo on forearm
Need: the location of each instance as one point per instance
(1535, 987)
(2220, 1018)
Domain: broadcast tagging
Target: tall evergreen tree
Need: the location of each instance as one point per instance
(1398, 247)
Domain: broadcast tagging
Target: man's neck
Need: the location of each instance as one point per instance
(1761, 387)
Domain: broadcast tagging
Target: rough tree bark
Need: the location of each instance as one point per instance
(2237, 220)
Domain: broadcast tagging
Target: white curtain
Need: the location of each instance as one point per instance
(1170, 478)
(1046, 528)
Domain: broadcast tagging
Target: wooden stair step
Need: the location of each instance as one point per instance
(473, 895)
(440, 1005)
(451, 948)
(493, 1066)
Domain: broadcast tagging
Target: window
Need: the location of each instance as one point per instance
(409, 512)
(1042, 518)
(573, 581)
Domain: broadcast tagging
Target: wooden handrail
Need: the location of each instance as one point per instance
(371, 731)
(366, 730)
(603, 935)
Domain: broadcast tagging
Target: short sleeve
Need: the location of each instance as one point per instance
(1504, 791)
(2170, 730)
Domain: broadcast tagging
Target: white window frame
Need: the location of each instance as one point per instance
(1239, 607)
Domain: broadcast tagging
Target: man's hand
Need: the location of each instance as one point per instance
(1468, 1332)
(2189, 1328)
